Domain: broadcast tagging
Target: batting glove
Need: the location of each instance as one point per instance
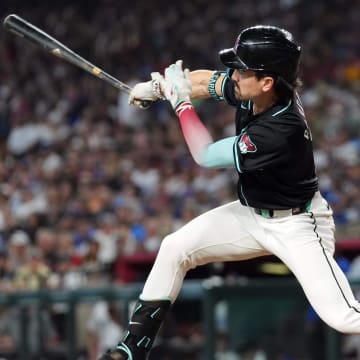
(177, 84)
(149, 91)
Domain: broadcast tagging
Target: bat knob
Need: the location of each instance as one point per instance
(143, 104)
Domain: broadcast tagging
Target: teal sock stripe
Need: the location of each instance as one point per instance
(155, 312)
(145, 340)
(127, 334)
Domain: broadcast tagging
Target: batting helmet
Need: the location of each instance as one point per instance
(265, 48)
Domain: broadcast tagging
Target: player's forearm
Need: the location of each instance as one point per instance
(196, 136)
(203, 149)
(200, 80)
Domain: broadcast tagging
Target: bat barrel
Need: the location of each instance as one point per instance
(10, 19)
(13, 23)
(21, 27)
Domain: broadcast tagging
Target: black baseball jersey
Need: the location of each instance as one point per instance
(273, 154)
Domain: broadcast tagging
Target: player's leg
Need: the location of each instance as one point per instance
(221, 234)
(306, 245)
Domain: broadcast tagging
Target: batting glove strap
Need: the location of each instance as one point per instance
(182, 106)
(156, 89)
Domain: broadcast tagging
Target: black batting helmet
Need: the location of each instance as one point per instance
(265, 48)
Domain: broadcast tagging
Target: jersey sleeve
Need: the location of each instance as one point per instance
(220, 154)
(260, 147)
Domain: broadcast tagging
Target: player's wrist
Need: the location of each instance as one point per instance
(142, 91)
(152, 90)
(157, 89)
(178, 98)
(182, 106)
(212, 85)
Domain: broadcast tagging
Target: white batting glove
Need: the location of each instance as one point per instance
(177, 84)
(150, 90)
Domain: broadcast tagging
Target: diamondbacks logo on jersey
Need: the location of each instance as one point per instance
(246, 145)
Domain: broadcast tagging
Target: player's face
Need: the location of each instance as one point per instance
(247, 85)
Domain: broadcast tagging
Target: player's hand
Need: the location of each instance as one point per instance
(150, 91)
(177, 84)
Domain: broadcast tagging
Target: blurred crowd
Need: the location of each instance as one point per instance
(85, 178)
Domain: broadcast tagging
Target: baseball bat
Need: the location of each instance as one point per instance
(23, 28)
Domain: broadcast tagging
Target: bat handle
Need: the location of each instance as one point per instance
(145, 104)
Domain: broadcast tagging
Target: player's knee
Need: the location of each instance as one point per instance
(172, 249)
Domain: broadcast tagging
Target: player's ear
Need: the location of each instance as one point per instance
(268, 83)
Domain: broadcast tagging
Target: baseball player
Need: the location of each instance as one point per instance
(280, 210)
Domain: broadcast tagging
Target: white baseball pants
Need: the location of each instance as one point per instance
(304, 242)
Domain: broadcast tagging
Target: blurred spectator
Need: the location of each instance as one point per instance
(33, 274)
(27, 202)
(19, 249)
(107, 235)
(45, 241)
(65, 247)
(65, 276)
(132, 231)
(6, 275)
(104, 328)
(153, 235)
(83, 232)
(94, 270)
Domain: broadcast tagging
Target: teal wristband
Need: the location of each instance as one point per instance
(211, 87)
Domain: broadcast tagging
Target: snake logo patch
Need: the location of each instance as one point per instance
(246, 145)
